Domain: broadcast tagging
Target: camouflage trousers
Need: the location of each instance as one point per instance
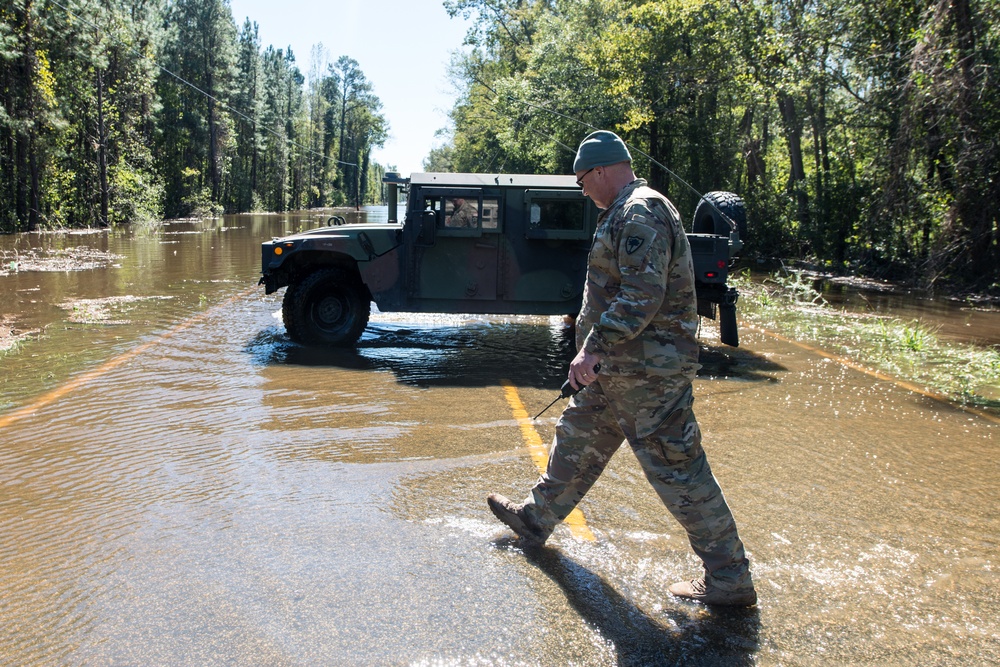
(666, 440)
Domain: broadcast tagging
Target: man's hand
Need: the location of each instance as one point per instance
(581, 369)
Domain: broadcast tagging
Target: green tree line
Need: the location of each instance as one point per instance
(113, 111)
(863, 135)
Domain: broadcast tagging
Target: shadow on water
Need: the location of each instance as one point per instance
(722, 361)
(529, 355)
(434, 356)
(687, 634)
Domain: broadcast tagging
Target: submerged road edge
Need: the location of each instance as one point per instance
(877, 374)
(111, 364)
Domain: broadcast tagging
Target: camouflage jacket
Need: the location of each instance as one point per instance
(639, 314)
(465, 216)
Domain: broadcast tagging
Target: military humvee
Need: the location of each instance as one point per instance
(473, 243)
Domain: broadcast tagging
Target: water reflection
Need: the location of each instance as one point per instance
(467, 351)
(951, 319)
(149, 278)
(472, 355)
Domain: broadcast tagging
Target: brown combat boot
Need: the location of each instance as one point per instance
(513, 515)
(706, 593)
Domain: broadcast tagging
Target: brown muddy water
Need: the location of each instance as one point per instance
(952, 320)
(181, 485)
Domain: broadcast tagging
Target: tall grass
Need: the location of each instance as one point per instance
(788, 304)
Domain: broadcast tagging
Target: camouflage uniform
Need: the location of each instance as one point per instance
(639, 317)
(463, 216)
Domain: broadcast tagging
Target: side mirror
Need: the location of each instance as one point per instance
(428, 225)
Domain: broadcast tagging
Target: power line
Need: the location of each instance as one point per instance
(199, 90)
(662, 166)
(511, 98)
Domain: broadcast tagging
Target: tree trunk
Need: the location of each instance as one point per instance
(797, 175)
(102, 149)
(363, 183)
(752, 153)
(976, 174)
(656, 176)
(27, 171)
(213, 138)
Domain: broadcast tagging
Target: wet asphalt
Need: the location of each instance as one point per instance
(193, 488)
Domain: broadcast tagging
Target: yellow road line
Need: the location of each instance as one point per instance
(878, 375)
(109, 365)
(540, 455)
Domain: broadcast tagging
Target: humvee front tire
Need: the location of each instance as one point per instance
(329, 307)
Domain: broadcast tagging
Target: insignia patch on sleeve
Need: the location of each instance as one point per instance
(633, 244)
(637, 241)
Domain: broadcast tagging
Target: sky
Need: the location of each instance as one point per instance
(402, 46)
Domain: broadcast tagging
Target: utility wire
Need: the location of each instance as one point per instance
(662, 166)
(511, 98)
(196, 88)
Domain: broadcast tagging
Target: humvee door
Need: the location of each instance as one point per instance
(462, 262)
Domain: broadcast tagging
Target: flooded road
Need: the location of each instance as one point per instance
(181, 485)
(969, 322)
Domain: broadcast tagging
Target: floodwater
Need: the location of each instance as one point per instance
(181, 485)
(961, 322)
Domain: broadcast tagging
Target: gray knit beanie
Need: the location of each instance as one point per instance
(599, 149)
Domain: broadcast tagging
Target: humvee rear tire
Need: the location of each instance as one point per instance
(327, 308)
(708, 221)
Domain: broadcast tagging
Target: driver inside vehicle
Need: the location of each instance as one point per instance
(463, 214)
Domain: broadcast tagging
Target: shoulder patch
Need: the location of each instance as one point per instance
(636, 244)
(633, 244)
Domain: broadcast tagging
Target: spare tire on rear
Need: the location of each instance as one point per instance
(710, 216)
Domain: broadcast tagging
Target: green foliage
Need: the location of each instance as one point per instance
(797, 288)
(789, 305)
(92, 132)
(862, 135)
(138, 196)
(440, 159)
(910, 336)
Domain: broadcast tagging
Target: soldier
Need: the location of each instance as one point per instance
(463, 214)
(638, 323)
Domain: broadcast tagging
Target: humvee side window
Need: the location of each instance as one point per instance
(433, 204)
(556, 215)
(465, 214)
(490, 213)
(441, 207)
(461, 213)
